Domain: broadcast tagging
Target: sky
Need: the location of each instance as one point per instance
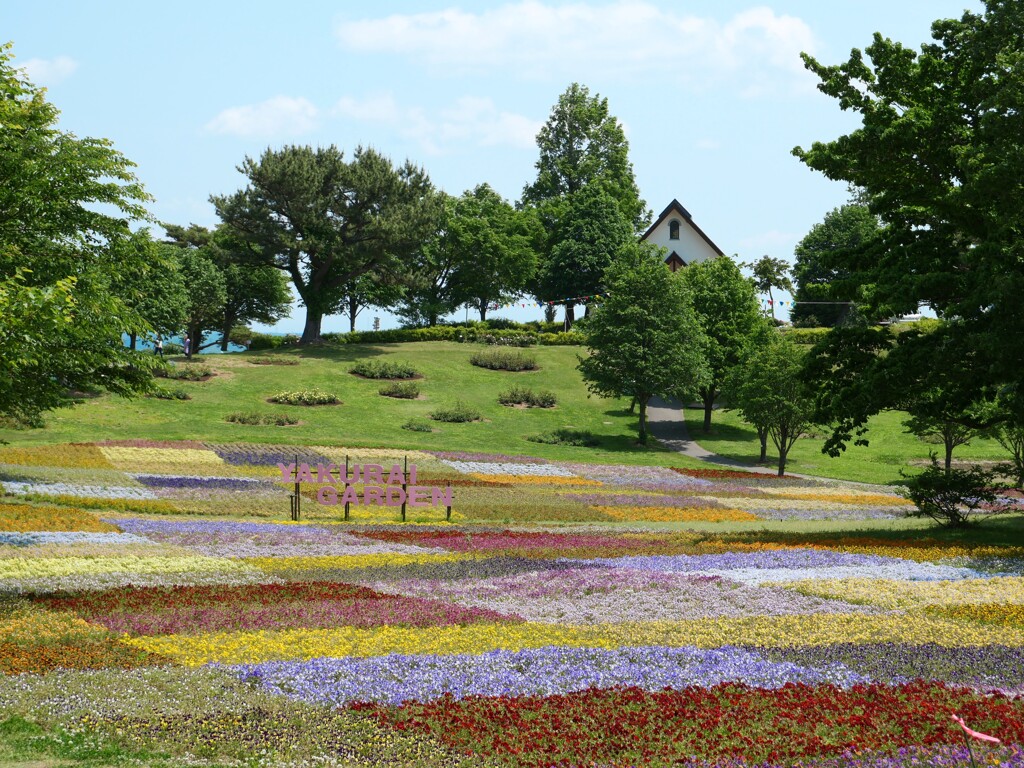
(713, 96)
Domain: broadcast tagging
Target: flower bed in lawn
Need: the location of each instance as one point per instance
(161, 600)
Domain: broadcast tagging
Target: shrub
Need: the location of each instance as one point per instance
(261, 419)
(511, 338)
(383, 369)
(504, 360)
(273, 361)
(306, 397)
(580, 438)
(190, 372)
(166, 393)
(417, 425)
(406, 390)
(263, 341)
(526, 396)
(806, 335)
(455, 414)
(950, 498)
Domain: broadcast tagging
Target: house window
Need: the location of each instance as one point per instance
(673, 230)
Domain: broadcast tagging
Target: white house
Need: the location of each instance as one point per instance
(685, 242)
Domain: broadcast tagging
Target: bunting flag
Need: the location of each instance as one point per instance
(576, 300)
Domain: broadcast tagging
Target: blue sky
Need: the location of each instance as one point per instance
(713, 95)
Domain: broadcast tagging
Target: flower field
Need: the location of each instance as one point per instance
(158, 606)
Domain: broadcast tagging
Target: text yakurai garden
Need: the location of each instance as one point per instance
(392, 489)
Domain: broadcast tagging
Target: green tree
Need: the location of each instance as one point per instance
(370, 290)
(161, 299)
(645, 339)
(769, 389)
(325, 222)
(429, 290)
(591, 231)
(821, 271)
(492, 246)
(206, 290)
(66, 205)
(727, 307)
(771, 273)
(583, 144)
(939, 154)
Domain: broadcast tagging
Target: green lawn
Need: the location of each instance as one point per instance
(366, 418)
(890, 448)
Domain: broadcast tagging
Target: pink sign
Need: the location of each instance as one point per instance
(392, 489)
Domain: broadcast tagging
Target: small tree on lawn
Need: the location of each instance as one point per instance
(644, 339)
(951, 496)
(768, 389)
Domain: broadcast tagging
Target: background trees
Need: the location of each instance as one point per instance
(326, 222)
(939, 153)
(645, 338)
(65, 208)
(771, 273)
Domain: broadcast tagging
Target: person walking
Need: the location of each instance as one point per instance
(158, 348)
(188, 348)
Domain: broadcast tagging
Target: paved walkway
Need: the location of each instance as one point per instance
(665, 422)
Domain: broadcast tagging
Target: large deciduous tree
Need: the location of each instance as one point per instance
(824, 293)
(771, 273)
(726, 305)
(66, 204)
(645, 339)
(939, 155)
(326, 222)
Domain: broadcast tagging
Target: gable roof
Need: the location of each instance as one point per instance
(676, 207)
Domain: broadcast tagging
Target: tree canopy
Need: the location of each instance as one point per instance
(326, 222)
(644, 339)
(66, 205)
(939, 155)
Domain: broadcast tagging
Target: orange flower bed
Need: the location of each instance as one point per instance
(677, 514)
(18, 658)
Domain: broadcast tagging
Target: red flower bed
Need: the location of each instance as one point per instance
(627, 726)
(728, 474)
(312, 605)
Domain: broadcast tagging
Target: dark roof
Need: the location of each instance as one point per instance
(675, 207)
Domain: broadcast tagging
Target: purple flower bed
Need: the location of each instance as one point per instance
(265, 455)
(488, 457)
(772, 558)
(642, 500)
(542, 671)
(851, 513)
(206, 483)
(643, 478)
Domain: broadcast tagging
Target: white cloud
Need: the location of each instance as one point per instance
(469, 120)
(624, 37)
(49, 71)
(279, 117)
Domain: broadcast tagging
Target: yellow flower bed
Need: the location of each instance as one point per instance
(931, 554)
(28, 517)
(779, 502)
(28, 627)
(818, 629)
(56, 567)
(284, 564)
(845, 496)
(534, 479)
(179, 458)
(82, 456)
(988, 613)
(676, 514)
(894, 594)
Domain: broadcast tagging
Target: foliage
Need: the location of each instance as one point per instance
(272, 361)
(261, 419)
(771, 273)
(417, 425)
(170, 393)
(206, 291)
(769, 389)
(504, 360)
(645, 339)
(404, 390)
(384, 369)
(590, 231)
(66, 205)
(161, 298)
(951, 496)
(455, 414)
(306, 397)
(580, 438)
(326, 222)
(1010, 435)
(188, 372)
(525, 396)
(821, 272)
(937, 155)
(726, 306)
(582, 145)
(264, 341)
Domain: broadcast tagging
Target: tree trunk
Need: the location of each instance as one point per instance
(225, 332)
(949, 455)
(771, 301)
(762, 435)
(783, 452)
(431, 319)
(708, 396)
(483, 310)
(643, 420)
(311, 331)
(132, 339)
(570, 316)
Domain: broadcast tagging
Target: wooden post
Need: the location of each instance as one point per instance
(448, 510)
(297, 505)
(346, 486)
(405, 485)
